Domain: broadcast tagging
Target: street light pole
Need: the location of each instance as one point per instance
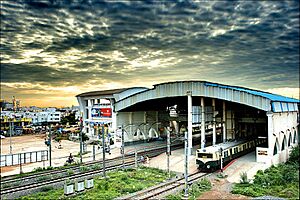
(123, 148)
(135, 157)
(103, 151)
(221, 154)
(10, 130)
(50, 135)
(80, 135)
(186, 187)
(168, 151)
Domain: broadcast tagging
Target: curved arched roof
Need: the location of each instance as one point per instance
(254, 98)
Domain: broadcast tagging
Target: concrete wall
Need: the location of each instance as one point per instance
(284, 126)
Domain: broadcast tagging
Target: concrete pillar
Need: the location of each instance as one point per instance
(190, 123)
(130, 122)
(270, 133)
(156, 118)
(224, 122)
(233, 124)
(114, 124)
(145, 125)
(202, 123)
(214, 121)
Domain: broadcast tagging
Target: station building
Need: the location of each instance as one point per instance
(211, 113)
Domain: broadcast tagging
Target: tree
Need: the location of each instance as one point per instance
(69, 119)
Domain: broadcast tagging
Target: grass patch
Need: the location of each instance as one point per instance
(280, 181)
(194, 191)
(70, 172)
(119, 183)
(43, 178)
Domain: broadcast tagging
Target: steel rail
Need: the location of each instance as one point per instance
(151, 153)
(163, 188)
(74, 176)
(15, 178)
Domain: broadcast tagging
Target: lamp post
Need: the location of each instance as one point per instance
(103, 151)
(80, 135)
(10, 132)
(221, 154)
(186, 187)
(50, 135)
(123, 148)
(168, 151)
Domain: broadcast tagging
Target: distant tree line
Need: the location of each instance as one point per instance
(69, 119)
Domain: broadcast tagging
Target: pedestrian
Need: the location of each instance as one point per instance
(142, 159)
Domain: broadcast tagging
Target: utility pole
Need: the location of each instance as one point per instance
(50, 135)
(186, 187)
(103, 151)
(168, 151)
(94, 153)
(123, 148)
(80, 135)
(221, 154)
(20, 160)
(135, 157)
(10, 130)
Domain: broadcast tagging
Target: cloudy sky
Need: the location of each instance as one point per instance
(52, 50)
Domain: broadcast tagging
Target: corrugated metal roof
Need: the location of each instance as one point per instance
(257, 99)
(272, 97)
(107, 92)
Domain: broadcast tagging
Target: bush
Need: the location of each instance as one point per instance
(244, 178)
(294, 156)
(281, 180)
(84, 168)
(70, 172)
(38, 169)
(195, 190)
(96, 166)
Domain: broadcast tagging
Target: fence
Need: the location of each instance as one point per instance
(27, 157)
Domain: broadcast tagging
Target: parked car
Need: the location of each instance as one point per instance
(2, 136)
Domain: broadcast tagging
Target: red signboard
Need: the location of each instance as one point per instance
(105, 112)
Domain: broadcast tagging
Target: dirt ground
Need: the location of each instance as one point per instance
(221, 189)
(28, 143)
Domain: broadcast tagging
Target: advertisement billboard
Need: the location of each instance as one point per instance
(101, 112)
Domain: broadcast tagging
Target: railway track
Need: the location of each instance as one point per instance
(159, 191)
(62, 179)
(19, 184)
(17, 178)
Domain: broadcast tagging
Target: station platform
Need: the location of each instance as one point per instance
(246, 163)
(177, 161)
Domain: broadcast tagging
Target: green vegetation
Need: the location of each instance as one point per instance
(280, 181)
(222, 175)
(244, 178)
(69, 119)
(84, 168)
(70, 172)
(43, 178)
(194, 191)
(119, 183)
(96, 166)
(83, 153)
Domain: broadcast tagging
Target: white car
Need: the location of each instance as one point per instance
(2, 136)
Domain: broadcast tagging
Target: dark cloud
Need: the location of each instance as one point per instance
(71, 42)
